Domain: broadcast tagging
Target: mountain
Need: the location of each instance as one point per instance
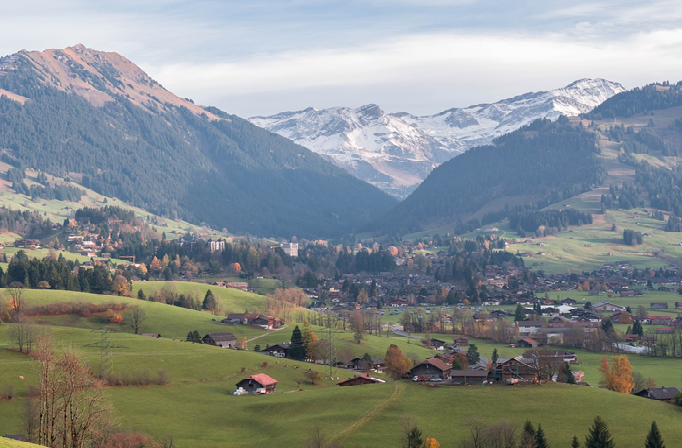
(397, 151)
(541, 163)
(97, 119)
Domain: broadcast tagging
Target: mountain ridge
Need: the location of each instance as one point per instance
(97, 118)
(396, 151)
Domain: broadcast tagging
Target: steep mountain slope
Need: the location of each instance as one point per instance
(541, 163)
(98, 119)
(396, 151)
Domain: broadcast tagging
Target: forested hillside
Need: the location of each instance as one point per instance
(541, 163)
(645, 99)
(173, 162)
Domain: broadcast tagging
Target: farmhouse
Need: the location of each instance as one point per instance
(432, 368)
(659, 306)
(224, 340)
(461, 341)
(515, 368)
(360, 380)
(377, 364)
(278, 350)
(607, 306)
(678, 305)
(659, 393)
(259, 383)
(528, 342)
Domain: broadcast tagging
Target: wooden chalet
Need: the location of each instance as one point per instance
(527, 343)
(278, 350)
(432, 368)
(259, 383)
(461, 341)
(224, 340)
(360, 380)
(515, 368)
(659, 393)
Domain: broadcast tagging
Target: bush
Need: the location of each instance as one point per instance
(678, 399)
(9, 392)
(163, 378)
(314, 376)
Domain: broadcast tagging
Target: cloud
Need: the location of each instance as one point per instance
(463, 66)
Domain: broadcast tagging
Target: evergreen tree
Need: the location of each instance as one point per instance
(654, 438)
(540, 440)
(472, 354)
(575, 443)
(210, 303)
(197, 338)
(141, 295)
(599, 435)
(414, 438)
(296, 350)
(520, 313)
(494, 358)
(528, 435)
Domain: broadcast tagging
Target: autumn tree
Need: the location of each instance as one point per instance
(654, 438)
(314, 376)
(17, 303)
(357, 324)
(397, 364)
(599, 435)
(431, 443)
(310, 341)
(617, 376)
(121, 285)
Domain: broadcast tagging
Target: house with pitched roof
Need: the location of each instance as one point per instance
(259, 383)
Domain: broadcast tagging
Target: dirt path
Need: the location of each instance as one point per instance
(398, 390)
(265, 334)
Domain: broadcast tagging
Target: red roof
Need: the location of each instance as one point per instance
(262, 379)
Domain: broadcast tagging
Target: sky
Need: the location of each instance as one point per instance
(260, 57)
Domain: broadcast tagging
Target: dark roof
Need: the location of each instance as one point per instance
(363, 376)
(469, 373)
(659, 393)
(437, 363)
(221, 336)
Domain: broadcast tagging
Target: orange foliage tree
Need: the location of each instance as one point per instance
(617, 376)
(397, 364)
(431, 443)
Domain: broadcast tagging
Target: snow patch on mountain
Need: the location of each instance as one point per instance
(397, 151)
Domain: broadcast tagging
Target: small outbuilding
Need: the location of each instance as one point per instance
(224, 340)
(360, 380)
(259, 383)
(659, 393)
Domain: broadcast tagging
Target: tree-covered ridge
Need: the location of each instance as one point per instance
(644, 99)
(547, 161)
(547, 222)
(24, 223)
(227, 173)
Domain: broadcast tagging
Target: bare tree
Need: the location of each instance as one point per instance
(71, 408)
(136, 318)
(18, 302)
(24, 334)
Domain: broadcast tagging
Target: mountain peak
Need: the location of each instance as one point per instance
(100, 77)
(397, 151)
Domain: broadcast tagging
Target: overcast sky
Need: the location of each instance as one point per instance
(259, 57)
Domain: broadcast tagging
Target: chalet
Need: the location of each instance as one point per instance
(432, 368)
(628, 293)
(660, 320)
(515, 368)
(678, 305)
(360, 380)
(224, 340)
(259, 383)
(435, 344)
(607, 306)
(569, 301)
(234, 318)
(528, 342)
(665, 330)
(659, 306)
(461, 341)
(376, 364)
(659, 393)
(469, 376)
(278, 350)
(152, 335)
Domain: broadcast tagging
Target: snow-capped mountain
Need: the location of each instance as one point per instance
(397, 151)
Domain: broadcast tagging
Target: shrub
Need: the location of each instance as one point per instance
(163, 377)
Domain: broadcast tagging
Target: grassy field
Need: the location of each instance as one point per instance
(192, 407)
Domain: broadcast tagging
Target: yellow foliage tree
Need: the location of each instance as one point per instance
(431, 443)
(617, 376)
